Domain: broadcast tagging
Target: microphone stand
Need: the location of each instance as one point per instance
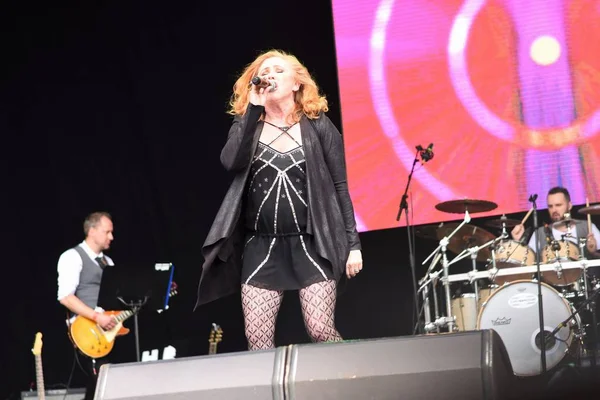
(135, 307)
(542, 333)
(591, 305)
(411, 251)
(586, 303)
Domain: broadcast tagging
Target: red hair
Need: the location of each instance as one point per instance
(307, 99)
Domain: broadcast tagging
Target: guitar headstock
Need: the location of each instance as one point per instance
(37, 344)
(216, 334)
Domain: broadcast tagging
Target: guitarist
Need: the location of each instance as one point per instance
(79, 275)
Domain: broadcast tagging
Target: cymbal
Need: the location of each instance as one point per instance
(427, 231)
(592, 210)
(563, 223)
(467, 236)
(471, 205)
(497, 223)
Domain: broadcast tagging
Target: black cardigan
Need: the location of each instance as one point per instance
(330, 211)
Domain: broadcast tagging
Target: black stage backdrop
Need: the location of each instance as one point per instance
(120, 106)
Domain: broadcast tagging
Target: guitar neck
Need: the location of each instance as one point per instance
(123, 315)
(39, 377)
(212, 348)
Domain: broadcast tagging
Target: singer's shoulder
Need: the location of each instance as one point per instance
(322, 122)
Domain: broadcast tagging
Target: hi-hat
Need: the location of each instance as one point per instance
(563, 223)
(497, 223)
(471, 205)
(591, 210)
(466, 237)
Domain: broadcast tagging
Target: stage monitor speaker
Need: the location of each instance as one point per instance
(470, 365)
(56, 394)
(467, 365)
(246, 375)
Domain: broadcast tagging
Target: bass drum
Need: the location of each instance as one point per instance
(513, 312)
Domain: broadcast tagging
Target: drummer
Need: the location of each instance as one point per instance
(559, 204)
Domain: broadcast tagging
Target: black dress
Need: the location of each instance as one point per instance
(278, 253)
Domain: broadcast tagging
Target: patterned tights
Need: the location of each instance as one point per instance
(262, 305)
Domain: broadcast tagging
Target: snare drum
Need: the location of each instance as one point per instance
(510, 254)
(513, 312)
(568, 252)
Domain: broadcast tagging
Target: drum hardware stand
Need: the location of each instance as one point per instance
(430, 277)
(473, 252)
(430, 326)
(582, 244)
(449, 319)
(426, 306)
(588, 303)
(556, 248)
(404, 207)
(532, 199)
(439, 321)
(475, 283)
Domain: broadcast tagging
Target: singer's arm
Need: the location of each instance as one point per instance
(236, 152)
(333, 151)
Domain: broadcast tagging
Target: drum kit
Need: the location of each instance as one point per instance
(505, 293)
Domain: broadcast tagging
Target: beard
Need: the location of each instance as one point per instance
(556, 217)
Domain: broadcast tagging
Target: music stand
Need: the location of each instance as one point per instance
(131, 287)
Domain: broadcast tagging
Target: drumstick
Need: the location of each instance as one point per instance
(527, 216)
(589, 216)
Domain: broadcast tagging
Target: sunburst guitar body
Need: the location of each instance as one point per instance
(95, 342)
(92, 340)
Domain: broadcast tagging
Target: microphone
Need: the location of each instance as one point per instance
(264, 83)
(426, 154)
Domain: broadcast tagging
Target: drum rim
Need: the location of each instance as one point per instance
(518, 243)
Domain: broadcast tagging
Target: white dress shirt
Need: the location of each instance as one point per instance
(69, 269)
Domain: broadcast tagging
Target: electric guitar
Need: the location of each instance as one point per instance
(216, 335)
(39, 371)
(94, 341)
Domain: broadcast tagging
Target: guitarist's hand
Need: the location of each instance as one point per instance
(106, 321)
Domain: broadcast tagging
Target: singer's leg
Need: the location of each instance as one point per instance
(318, 309)
(260, 308)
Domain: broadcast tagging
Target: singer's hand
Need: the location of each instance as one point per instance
(591, 244)
(517, 232)
(258, 95)
(354, 263)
